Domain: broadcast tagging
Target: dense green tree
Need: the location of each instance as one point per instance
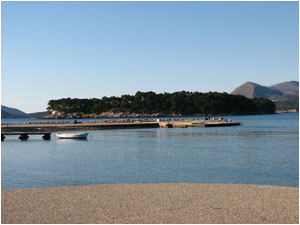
(185, 103)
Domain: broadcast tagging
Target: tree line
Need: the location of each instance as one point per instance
(185, 103)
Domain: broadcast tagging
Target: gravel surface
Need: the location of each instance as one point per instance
(152, 203)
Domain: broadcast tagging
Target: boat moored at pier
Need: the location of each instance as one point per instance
(72, 135)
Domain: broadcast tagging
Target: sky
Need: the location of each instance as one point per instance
(53, 50)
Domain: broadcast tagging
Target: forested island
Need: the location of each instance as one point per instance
(150, 104)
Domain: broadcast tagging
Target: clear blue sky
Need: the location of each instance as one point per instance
(53, 50)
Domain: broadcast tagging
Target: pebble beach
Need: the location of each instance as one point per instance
(152, 203)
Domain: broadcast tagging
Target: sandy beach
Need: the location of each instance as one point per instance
(152, 203)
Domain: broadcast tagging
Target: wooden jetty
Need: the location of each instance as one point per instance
(25, 135)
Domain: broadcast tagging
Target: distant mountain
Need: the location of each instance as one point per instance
(285, 95)
(12, 110)
(9, 115)
(7, 112)
(253, 90)
(286, 102)
(287, 88)
(37, 114)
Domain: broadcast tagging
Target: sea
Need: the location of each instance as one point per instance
(263, 151)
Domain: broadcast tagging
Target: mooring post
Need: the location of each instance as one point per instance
(2, 137)
(169, 125)
(23, 137)
(47, 137)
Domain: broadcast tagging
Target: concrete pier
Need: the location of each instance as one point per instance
(100, 125)
(203, 123)
(48, 127)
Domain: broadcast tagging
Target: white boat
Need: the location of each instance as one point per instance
(72, 135)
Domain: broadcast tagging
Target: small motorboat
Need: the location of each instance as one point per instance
(72, 135)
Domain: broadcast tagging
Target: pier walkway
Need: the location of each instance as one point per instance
(45, 128)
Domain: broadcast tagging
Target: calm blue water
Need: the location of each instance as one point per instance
(263, 151)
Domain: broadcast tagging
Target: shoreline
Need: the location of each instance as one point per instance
(152, 203)
(149, 117)
(124, 115)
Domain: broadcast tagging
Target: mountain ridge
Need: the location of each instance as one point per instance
(254, 90)
(8, 112)
(285, 94)
(287, 88)
(11, 110)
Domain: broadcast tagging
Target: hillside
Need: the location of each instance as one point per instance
(285, 95)
(37, 114)
(287, 88)
(253, 90)
(8, 112)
